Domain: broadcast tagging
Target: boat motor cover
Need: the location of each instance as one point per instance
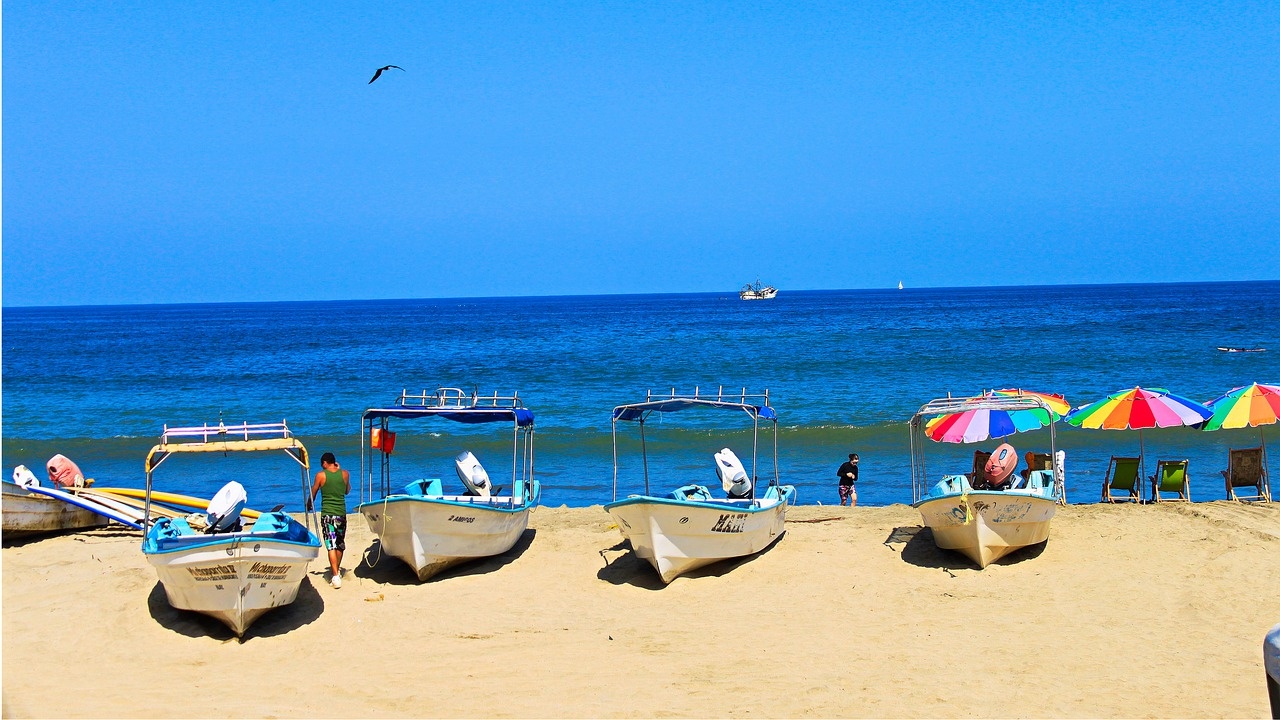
(224, 509)
(472, 474)
(1000, 465)
(24, 477)
(63, 472)
(733, 477)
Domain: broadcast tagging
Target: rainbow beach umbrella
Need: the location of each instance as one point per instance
(967, 426)
(1248, 406)
(1139, 409)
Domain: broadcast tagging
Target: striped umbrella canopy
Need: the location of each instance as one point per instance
(969, 426)
(1249, 406)
(1139, 409)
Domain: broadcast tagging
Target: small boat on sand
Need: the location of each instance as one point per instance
(225, 570)
(422, 524)
(689, 528)
(972, 518)
(26, 514)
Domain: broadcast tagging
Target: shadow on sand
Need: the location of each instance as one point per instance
(380, 567)
(919, 549)
(303, 611)
(630, 569)
(106, 532)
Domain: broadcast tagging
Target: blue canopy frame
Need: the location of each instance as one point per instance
(459, 406)
(639, 412)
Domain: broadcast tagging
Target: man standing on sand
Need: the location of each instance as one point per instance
(848, 474)
(333, 483)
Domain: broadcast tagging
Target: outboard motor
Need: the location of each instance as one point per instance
(1000, 466)
(472, 474)
(63, 472)
(733, 477)
(223, 513)
(24, 477)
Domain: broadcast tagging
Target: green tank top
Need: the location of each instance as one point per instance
(333, 494)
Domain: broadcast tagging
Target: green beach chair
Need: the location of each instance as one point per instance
(1171, 476)
(1247, 468)
(1122, 476)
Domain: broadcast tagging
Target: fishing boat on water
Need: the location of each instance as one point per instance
(756, 291)
(689, 528)
(26, 513)
(421, 523)
(966, 512)
(227, 570)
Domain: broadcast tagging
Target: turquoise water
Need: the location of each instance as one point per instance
(845, 371)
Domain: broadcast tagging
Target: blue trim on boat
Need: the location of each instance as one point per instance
(402, 497)
(784, 493)
(181, 537)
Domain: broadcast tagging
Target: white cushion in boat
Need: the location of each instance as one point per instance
(472, 474)
(733, 477)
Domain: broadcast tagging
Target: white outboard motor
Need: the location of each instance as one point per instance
(733, 477)
(472, 474)
(24, 477)
(223, 513)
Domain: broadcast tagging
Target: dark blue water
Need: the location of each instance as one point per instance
(845, 370)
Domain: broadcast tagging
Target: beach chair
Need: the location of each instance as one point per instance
(980, 459)
(1247, 468)
(1122, 476)
(1036, 461)
(1171, 476)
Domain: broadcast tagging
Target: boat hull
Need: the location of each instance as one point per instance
(677, 537)
(431, 535)
(236, 578)
(986, 526)
(26, 514)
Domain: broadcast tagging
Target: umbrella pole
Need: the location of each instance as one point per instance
(1142, 461)
(1262, 437)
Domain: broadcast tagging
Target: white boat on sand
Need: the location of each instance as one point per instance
(229, 572)
(26, 514)
(689, 528)
(422, 524)
(986, 524)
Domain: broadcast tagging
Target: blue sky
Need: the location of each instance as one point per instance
(203, 152)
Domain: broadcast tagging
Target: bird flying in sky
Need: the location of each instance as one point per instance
(379, 71)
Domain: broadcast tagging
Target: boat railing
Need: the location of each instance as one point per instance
(457, 398)
(741, 397)
(222, 431)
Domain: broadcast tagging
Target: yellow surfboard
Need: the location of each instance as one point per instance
(172, 499)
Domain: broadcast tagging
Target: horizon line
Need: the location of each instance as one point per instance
(728, 293)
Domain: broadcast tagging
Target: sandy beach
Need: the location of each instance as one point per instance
(1126, 612)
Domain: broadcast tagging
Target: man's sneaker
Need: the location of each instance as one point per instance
(336, 581)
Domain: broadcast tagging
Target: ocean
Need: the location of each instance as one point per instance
(845, 371)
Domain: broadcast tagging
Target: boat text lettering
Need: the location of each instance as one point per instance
(460, 518)
(217, 572)
(730, 523)
(265, 571)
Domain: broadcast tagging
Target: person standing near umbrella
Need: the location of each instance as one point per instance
(848, 474)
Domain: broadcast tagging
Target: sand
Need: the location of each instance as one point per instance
(1126, 612)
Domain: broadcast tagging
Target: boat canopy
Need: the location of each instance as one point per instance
(522, 416)
(226, 438)
(946, 406)
(456, 405)
(676, 403)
